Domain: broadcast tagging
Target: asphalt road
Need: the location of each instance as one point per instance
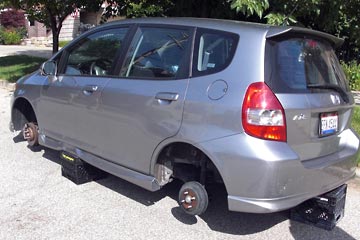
(36, 202)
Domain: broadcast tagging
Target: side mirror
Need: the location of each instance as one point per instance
(48, 68)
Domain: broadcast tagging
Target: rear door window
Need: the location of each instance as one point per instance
(214, 51)
(301, 65)
(158, 53)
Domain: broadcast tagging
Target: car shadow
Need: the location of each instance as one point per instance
(304, 231)
(119, 185)
(19, 138)
(217, 216)
(220, 219)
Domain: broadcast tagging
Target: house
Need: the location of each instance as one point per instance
(75, 24)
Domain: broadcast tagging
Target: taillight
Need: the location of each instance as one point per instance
(262, 114)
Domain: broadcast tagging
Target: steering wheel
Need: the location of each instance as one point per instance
(99, 67)
(95, 70)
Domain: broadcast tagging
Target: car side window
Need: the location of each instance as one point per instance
(95, 54)
(157, 53)
(214, 51)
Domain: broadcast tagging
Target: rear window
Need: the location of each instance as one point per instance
(297, 65)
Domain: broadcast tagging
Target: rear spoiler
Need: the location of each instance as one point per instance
(278, 31)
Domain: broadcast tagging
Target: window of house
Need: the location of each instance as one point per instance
(157, 53)
(95, 54)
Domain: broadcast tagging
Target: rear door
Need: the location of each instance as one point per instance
(144, 105)
(306, 76)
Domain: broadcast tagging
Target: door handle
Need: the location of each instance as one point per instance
(90, 89)
(167, 96)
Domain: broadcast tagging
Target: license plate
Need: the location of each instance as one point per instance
(328, 123)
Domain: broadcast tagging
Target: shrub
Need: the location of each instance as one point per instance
(22, 31)
(11, 37)
(352, 72)
(12, 19)
(63, 43)
(2, 30)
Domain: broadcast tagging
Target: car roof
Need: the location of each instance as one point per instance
(269, 31)
(195, 22)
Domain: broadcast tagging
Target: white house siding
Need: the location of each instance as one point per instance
(70, 28)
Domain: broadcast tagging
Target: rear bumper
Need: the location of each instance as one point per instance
(265, 176)
(254, 205)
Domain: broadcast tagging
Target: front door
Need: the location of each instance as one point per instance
(72, 102)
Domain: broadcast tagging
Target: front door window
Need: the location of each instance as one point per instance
(95, 54)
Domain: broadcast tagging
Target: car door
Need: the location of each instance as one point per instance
(70, 104)
(144, 105)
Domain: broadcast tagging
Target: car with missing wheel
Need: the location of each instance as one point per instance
(264, 110)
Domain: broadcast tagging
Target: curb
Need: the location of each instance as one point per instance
(7, 85)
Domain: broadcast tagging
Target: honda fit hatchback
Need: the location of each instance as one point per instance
(264, 110)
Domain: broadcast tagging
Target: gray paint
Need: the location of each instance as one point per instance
(123, 125)
(134, 121)
(217, 89)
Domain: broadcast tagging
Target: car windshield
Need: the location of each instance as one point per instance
(299, 65)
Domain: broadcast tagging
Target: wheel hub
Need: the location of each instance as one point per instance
(188, 200)
(28, 133)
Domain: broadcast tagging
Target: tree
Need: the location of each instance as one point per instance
(12, 19)
(52, 13)
(249, 7)
(137, 8)
(5, 4)
(339, 18)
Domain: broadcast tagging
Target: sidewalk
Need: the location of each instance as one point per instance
(44, 52)
(356, 95)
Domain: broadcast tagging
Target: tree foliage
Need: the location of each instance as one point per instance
(340, 18)
(136, 8)
(5, 4)
(249, 7)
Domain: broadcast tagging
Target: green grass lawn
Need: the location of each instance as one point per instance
(356, 120)
(356, 123)
(14, 67)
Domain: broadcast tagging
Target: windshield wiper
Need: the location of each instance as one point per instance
(334, 87)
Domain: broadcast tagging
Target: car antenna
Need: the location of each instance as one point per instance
(288, 16)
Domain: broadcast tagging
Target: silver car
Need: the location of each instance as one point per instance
(263, 110)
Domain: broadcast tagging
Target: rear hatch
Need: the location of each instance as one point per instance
(303, 71)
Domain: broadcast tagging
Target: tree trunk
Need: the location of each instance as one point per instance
(55, 34)
(56, 26)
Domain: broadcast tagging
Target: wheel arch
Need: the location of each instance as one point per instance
(22, 111)
(162, 147)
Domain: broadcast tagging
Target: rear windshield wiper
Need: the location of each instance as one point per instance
(334, 87)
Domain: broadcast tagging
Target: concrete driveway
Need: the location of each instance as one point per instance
(44, 52)
(38, 203)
